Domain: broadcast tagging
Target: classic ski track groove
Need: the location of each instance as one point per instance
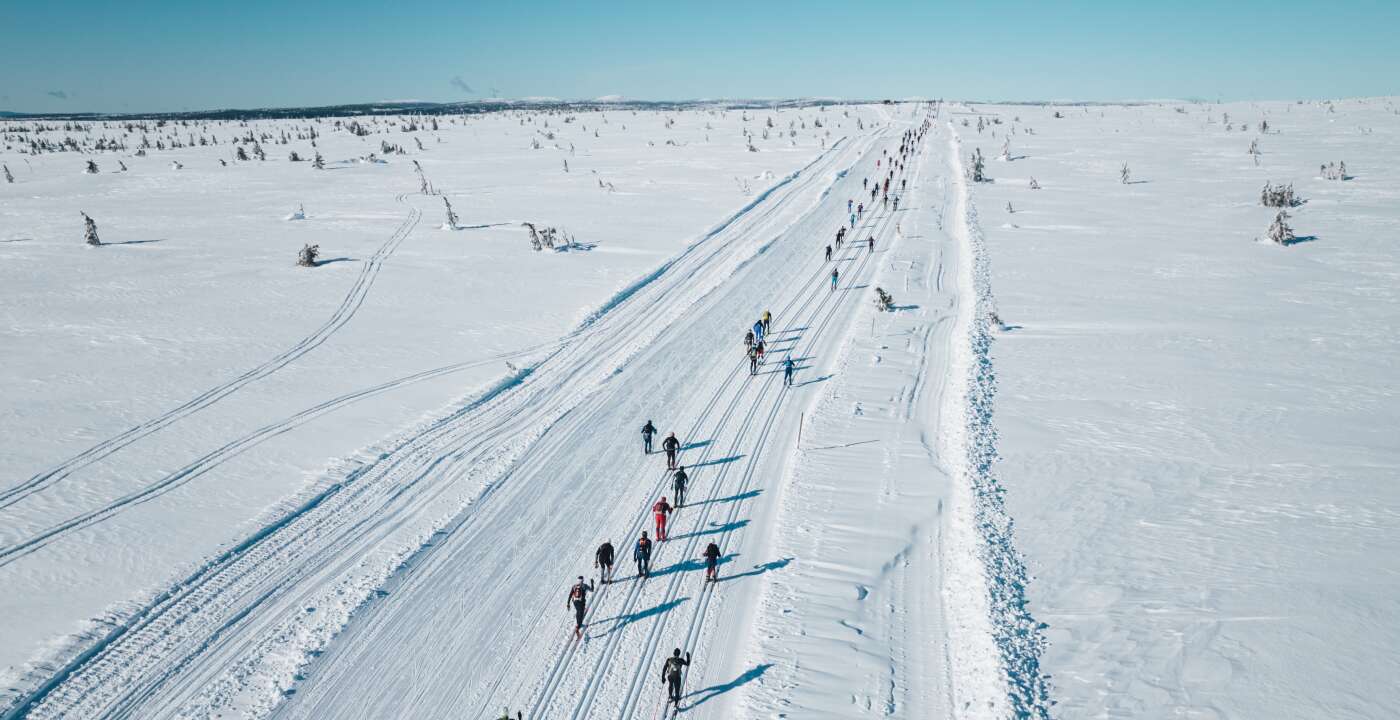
(342, 315)
(151, 650)
(589, 692)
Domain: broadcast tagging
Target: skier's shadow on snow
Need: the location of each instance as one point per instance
(694, 445)
(625, 620)
(823, 378)
(747, 677)
(711, 530)
(732, 498)
(757, 569)
(720, 461)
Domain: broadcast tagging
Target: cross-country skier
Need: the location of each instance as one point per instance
(872, 243)
(661, 509)
(647, 431)
(671, 676)
(678, 483)
(848, 204)
(853, 220)
(748, 339)
(578, 597)
(753, 360)
(767, 322)
(642, 555)
(787, 371)
(711, 562)
(828, 253)
(761, 348)
(758, 330)
(671, 445)
(603, 560)
(835, 275)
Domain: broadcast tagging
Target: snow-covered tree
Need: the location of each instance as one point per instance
(883, 300)
(1279, 231)
(122, 165)
(1034, 185)
(977, 168)
(1279, 196)
(307, 256)
(319, 163)
(1124, 173)
(8, 177)
(90, 231)
(1006, 149)
(91, 168)
(293, 157)
(1335, 171)
(1009, 208)
(240, 155)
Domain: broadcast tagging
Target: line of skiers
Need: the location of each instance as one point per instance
(672, 670)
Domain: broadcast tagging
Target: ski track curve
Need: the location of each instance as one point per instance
(209, 640)
(342, 315)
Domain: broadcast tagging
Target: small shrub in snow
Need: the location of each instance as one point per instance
(240, 155)
(307, 256)
(319, 163)
(293, 157)
(1279, 231)
(90, 231)
(300, 213)
(1334, 171)
(883, 300)
(1279, 196)
(8, 177)
(1034, 185)
(548, 237)
(91, 168)
(1254, 150)
(1124, 174)
(1009, 208)
(451, 216)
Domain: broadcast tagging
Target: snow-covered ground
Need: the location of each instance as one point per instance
(1199, 431)
(239, 488)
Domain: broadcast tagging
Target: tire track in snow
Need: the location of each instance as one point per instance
(342, 315)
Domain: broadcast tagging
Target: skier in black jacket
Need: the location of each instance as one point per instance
(603, 560)
(711, 556)
(678, 483)
(647, 431)
(671, 445)
(578, 597)
(671, 675)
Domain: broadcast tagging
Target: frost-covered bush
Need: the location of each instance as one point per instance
(1034, 185)
(1124, 173)
(90, 231)
(91, 168)
(451, 216)
(8, 177)
(319, 163)
(1279, 196)
(307, 256)
(1334, 171)
(883, 300)
(548, 237)
(240, 155)
(1279, 231)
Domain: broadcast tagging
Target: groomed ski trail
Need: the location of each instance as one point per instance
(233, 634)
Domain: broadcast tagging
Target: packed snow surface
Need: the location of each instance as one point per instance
(1108, 453)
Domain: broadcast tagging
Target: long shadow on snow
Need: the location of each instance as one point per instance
(732, 498)
(714, 690)
(720, 461)
(714, 528)
(758, 570)
(625, 620)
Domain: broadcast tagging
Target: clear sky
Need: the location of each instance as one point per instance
(157, 55)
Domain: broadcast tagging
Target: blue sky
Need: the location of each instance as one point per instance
(157, 55)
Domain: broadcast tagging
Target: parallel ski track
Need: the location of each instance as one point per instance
(554, 677)
(150, 650)
(338, 319)
(702, 605)
(632, 700)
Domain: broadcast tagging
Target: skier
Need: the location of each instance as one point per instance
(603, 560)
(678, 483)
(761, 348)
(647, 431)
(748, 339)
(787, 371)
(853, 220)
(835, 275)
(661, 509)
(642, 554)
(753, 360)
(872, 243)
(578, 597)
(711, 562)
(758, 330)
(828, 255)
(671, 445)
(848, 204)
(767, 322)
(671, 676)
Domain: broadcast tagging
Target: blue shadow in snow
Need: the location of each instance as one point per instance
(715, 690)
(758, 570)
(625, 620)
